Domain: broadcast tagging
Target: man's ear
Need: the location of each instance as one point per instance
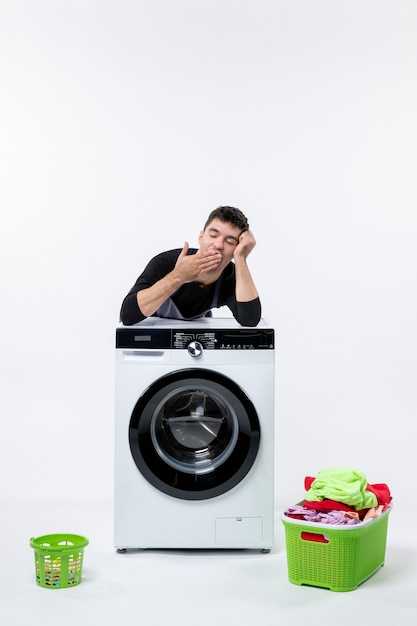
(200, 236)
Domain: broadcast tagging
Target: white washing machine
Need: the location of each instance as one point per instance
(194, 435)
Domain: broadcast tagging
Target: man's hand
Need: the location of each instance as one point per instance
(192, 267)
(246, 244)
(245, 287)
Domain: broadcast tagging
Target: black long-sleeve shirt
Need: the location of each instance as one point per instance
(190, 300)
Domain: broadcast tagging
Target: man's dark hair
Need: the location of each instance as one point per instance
(229, 214)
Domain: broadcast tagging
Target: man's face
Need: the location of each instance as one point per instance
(222, 237)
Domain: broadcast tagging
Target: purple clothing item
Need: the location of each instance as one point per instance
(335, 517)
(331, 517)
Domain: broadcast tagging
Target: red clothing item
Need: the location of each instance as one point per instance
(380, 490)
(327, 505)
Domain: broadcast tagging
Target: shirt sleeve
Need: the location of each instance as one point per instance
(245, 313)
(157, 268)
(249, 313)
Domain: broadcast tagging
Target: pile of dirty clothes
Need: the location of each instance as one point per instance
(341, 496)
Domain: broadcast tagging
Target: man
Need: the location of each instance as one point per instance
(187, 284)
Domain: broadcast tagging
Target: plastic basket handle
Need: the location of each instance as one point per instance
(317, 537)
(61, 547)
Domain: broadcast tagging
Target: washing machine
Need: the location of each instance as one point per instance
(194, 435)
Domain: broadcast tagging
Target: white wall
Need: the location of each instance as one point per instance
(123, 123)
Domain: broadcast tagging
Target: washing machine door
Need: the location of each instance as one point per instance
(194, 434)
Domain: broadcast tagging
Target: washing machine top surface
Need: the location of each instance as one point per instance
(202, 322)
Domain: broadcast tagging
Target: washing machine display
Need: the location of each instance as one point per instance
(194, 435)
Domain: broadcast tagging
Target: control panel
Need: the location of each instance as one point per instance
(176, 339)
(225, 339)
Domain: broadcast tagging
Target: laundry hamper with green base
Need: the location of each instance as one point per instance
(58, 560)
(337, 557)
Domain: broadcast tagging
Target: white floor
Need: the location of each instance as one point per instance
(179, 587)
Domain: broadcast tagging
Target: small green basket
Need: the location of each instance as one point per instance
(58, 560)
(338, 558)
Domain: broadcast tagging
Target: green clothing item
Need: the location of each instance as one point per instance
(342, 485)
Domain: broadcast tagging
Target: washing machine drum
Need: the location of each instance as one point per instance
(194, 434)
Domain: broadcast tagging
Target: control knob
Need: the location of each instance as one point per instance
(195, 348)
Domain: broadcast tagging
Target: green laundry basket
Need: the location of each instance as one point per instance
(58, 560)
(339, 558)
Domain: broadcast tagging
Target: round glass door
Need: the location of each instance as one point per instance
(194, 434)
